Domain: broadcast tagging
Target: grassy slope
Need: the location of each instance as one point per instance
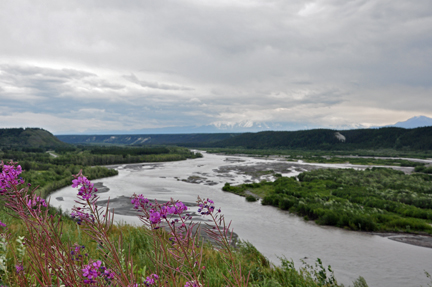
(138, 241)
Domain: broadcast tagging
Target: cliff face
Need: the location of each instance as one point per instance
(29, 137)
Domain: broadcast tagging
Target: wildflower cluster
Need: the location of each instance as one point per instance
(206, 207)
(155, 213)
(81, 216)
(95, 270)
(140, 201)
(87, 190)
(19, 268)
(36, 202)
(151, 280)
(76, 253)
(9, 176)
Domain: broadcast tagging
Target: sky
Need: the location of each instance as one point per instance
(99, 66)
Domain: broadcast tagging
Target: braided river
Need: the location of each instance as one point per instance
(275, 233)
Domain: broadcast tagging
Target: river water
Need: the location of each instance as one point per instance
(275, 233)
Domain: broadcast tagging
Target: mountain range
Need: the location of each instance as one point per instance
(415, 122)
(313, 139)
(252, 127)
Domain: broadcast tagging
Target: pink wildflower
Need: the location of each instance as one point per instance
(9, 176)
(206, 207)
(87, 190)
(155, 213)
(150, 280)
(36, 202)
(19, 268)
(81, 216)
(94, 270)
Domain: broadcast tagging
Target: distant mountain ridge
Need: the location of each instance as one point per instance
(326, 139)
(28, 137)
(414, 122)
(146, 139)
(318, 139)
(222, 127)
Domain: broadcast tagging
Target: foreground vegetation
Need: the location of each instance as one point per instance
(42, 247)
(375, 199)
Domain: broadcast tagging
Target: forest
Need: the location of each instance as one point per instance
(418, 139)
(389, 138)
(29, 137)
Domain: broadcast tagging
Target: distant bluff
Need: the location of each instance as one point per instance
(418, 139)
(28, 137)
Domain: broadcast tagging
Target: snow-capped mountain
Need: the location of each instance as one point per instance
(415, 122)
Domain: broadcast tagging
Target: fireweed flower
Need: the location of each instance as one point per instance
(150, 280)
(9, 176)
(155, 213)
(206, 207)
(87, 190)
(36, 202)
(81, 216)
(95, 270)
(139, 200)
(76, 252)
(2, 224)
(19, 268)
(155, 217)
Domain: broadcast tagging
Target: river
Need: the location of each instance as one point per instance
(275, 233)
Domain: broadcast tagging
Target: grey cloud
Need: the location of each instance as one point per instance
(237, 55)
(21, 70)
(104, 84)
(37, 81)
(155, 85)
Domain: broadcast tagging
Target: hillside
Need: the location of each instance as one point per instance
(146, 139)
(325, 139)
(419, 139)
(29, 137)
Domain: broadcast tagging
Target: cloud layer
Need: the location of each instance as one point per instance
(113, 65)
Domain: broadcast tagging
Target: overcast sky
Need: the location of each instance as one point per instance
(83, 66)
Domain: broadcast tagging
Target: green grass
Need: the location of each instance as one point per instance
(140, 245)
